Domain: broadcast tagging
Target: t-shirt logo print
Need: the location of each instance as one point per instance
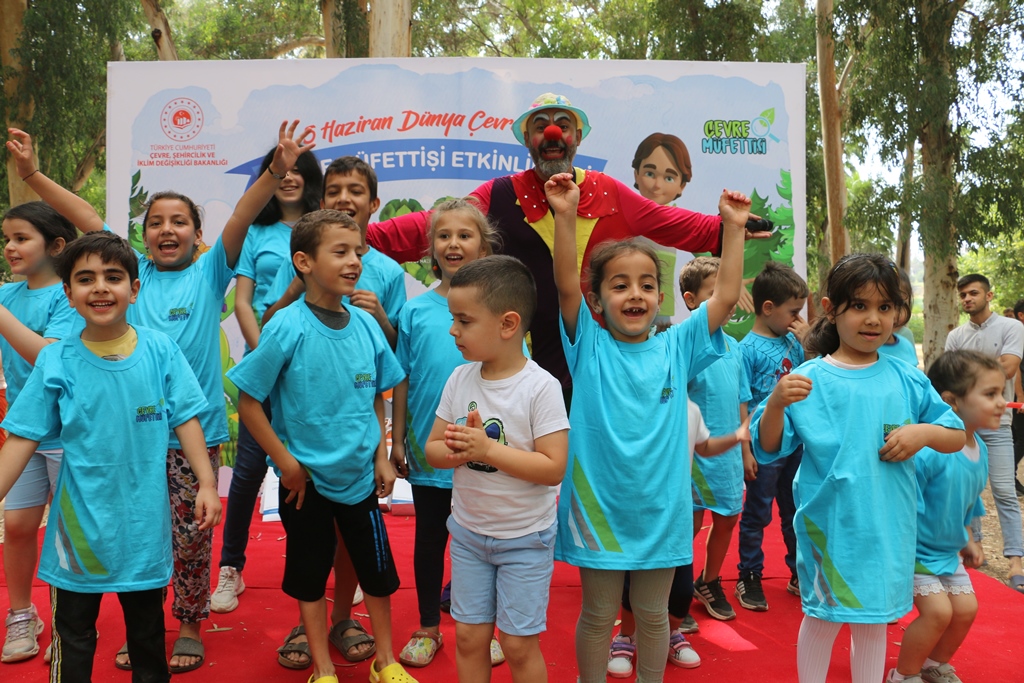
(495, 430)
(784, 370)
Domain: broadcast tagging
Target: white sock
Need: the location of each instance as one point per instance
(895, 676)
(929, 663)
(814, 649)
(867, 652)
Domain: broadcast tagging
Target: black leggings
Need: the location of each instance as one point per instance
(433, 506)
(679, 598)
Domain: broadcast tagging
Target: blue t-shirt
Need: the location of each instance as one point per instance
(718, 391)
(186, 305)
(428, 355)
(949, 487)
(322, 384)
(902, 349)
(380, 275)
(768, 359)
(625, 500)
(266, 247)
(110, 524)
(46, 312)
(855, 514)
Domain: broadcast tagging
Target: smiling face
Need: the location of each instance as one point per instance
(457, 241)
(170, 234)
(289, 191)
(863, 324)
(551, 157)
(25, 248)
(333, 270)
(659, 178)
(101, 292)
(983, 405)
(350, 193)
(629, 297)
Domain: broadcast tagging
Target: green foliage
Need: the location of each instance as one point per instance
(137, 199)
(399, 207)
(1001, 265)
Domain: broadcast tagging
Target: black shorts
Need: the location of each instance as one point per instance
(310, 546)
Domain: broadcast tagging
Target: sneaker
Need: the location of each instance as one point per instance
(681, 653)
(446, 598)
(620, 657)
(712, 597)
(943, 673)
(23, 629)
(793, 587)
(689, 625)
(906, 679)
(358, 596)
(229, 587)
(750, 594)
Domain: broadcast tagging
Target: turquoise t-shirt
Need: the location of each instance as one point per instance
(322, 384)
(427, 354)
(718, 391)
(266, 247)
(625, 500)
(110, 524)
(902, 349)
(186, 305)
(766, 360)
(46, 312)
(949, 487)
(855, 518)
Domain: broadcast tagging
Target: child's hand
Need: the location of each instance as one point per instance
(368, 301)
(743, 433)
(207, 507)
(20, 147)
(734, 207)
(749, 464)
(468, 442)
(799, 328)
(398, 460)
(384, 475)
(973, 554)
(294, 479)
(290, 146)
(903, 443)
(562, 193)
(790, 389)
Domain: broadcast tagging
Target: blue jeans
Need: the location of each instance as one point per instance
(1000, 477)
(246, 480)
(774, 481)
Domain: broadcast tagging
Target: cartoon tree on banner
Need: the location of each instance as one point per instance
(228, 453)
(137, 199)
(420, 270)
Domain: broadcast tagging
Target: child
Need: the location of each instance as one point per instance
(947, 500)
(324, 366)
(182, 295)
(501, 424)
(266, 247)
(459, 234)
(626, 425)
(110, 396)
(898, 345)
(680, 651)
(859, 416)
(769, 351)
(33, 313)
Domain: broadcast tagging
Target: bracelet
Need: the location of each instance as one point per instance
(30, 174)
(278, 177)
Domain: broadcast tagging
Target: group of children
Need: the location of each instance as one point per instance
(858, 449)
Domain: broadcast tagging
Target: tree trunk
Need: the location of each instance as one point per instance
(831, 133)
(161, 33)
(903, 239)
(19, 112)
(390, 28)
(334, 28)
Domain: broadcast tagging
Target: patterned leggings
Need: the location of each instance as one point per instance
(193, 549)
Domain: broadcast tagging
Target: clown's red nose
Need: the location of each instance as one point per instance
(552, 132)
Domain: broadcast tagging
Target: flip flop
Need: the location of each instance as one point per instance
(188, 647)
(127, 666)
(1016, 582)
(346, 643)
(290, 646)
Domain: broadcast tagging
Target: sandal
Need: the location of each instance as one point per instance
(23, 629)
(290, 646)
(620, 657)
(123, 666)
(392, 673)
(1016, 582)
(346, 643)
(497, 656)
(421, 648)
(188, 647)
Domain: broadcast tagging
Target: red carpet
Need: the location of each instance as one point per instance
(755, 646)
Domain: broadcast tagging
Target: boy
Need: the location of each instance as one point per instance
(770, 350)
(721, 391)
(502, 425)
(110, 395)
(324, 366)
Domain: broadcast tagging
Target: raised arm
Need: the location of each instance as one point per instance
(735, 209)
(65, 202)
(563, 197)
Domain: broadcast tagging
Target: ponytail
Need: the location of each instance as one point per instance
(822, 338)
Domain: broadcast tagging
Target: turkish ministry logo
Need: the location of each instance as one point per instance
(182, 119)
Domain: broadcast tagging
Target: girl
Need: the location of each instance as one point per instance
(628, 410)
(900, 343)
(947, 500)
(266, 247)
(34, 234)
(458, 234)
(182, 294)
(855, 489)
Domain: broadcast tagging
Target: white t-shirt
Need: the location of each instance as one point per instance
(515, 411)
(698, 430)
(997, 336)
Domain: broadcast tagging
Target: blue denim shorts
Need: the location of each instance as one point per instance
(502, 580)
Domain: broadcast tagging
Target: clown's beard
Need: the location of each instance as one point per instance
(549, 167)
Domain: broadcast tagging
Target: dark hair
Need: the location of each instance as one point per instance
(351, 164)
(777, 283)
(847, 276)
(504, 284)
(609, 249)
(312, 187)
(957, 371)
(45, 219)
(1018, 307)
(971, 279)
(693, 274)
(308, 231)
(111, 248)
(674, 147)
(907, 287)
(196, 213)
